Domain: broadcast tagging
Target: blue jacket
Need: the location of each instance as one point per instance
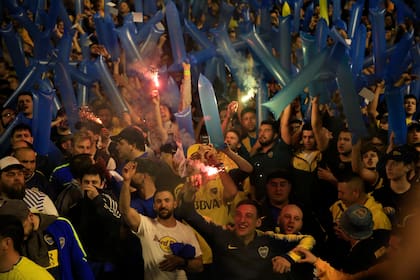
(71, 255)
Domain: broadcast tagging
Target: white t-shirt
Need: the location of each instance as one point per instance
(156, 239)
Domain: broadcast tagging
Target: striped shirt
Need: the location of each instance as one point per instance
(39, 202)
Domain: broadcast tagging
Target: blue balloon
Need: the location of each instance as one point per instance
(417, 12)
(292, 89)
(396, 118)
(5, 136)
(12, 6)
(403, 12)
(175, 35)
(82, 88)
(261, 98)
(241, 45)
(415, 85)
(64, 48)
(128, 44)
(375, 4)
(350, 99)
(211, 66)
(78, 7)
(62, 14)
(149, 8)
(141, 34)
(41, 18)
(210, 112)
(105, 29)
(397, 65)
(197, 8)
(149, 46)
(254, 4)
(357, 50)
(42, 120)
(356, 14)
(225, 14)
(84, 43)
(110, 89)
(28, 24)
(297, 6)
(308, 15)
(378, 39)
(197, 35)
(56, 104)
(285, 49)
(232, 58)
(43, 46)
(265, 26)
(64, 84)
(309, 49)
(271, 64)
(33, 75)
(246, 25)
(199, 57)
(321, 34)
(138, 5)
(336, 10)
(370, 59)
(310, 52)
(15, 47)
(337, 37)
(46, 85)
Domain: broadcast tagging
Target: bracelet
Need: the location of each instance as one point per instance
(187, 72)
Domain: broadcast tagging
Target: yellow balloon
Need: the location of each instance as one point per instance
(285, 10)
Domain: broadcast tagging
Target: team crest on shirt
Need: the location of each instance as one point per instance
(270, 154)
(48, 239)
(62, 242)
(263, 251)
(165, 244)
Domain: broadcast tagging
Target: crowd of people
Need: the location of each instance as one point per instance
(121, 189)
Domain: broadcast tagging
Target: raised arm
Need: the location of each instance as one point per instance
(372, 106)
(130, 215)
(242, 163)
(158, 133)
(284, 130)
(229, 187)
(186, 96)
(231, 111)
(320, 134)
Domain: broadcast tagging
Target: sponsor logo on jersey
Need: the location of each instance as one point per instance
(62, 242)
(165, 244)
(231, 247)
(207, 204)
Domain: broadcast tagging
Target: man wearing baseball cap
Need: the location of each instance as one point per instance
(130, 144)
(396, 196)
(12, 186)
(366, 248)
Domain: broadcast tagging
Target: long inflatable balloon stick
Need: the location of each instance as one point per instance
(210, 112)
